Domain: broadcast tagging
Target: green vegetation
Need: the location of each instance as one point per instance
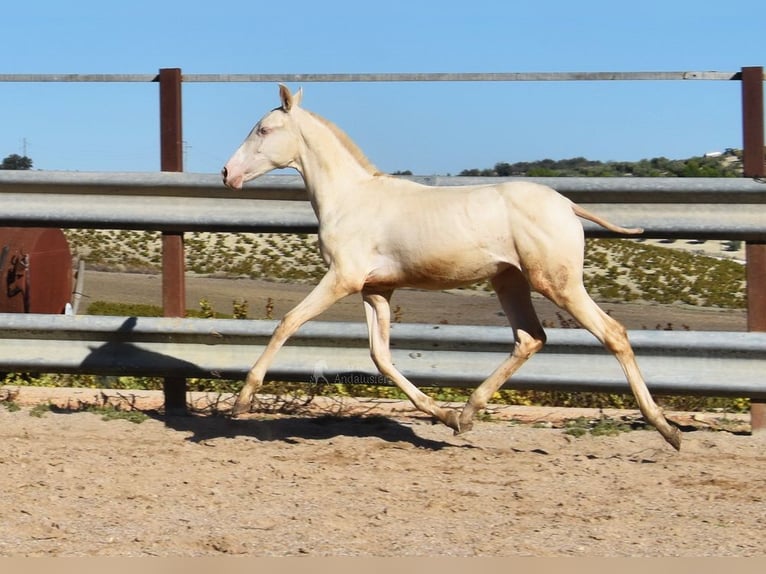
(124, 309)
(10, 405)
(728, 164)
(112, 413)
(240, 310)
(40, 410)
(16, 162)
(626, 270)
(603, 426)
(107, 410)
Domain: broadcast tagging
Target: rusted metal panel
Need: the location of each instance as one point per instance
(35, 270)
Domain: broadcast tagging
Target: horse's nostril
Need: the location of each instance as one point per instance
(224, 173)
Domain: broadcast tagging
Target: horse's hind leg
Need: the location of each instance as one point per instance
(513, 291)
(574, 299)
(378, 312)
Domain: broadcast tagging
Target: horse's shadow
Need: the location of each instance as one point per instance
(295, 429)
(120, 352)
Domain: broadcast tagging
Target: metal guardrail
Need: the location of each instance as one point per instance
(699, 208)
(290, 187)
(679, 363)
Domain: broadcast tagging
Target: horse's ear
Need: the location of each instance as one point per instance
(289, 100)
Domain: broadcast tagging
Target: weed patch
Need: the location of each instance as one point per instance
(603, 426)
(112, 413)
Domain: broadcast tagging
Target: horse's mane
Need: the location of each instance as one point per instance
(348, 143)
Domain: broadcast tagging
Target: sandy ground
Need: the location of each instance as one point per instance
(353, 481)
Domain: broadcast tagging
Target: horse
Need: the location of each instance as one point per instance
(379, 232)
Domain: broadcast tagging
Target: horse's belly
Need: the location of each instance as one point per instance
(455, 270)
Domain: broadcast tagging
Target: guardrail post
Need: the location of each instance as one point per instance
(173, 284)
(755, 251)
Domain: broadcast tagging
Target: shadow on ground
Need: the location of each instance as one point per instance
(293, 429)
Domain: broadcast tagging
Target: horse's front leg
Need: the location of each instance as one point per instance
(378, 312)
(328, 291)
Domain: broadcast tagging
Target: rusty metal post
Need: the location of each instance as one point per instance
(173, 284)
(754, 166)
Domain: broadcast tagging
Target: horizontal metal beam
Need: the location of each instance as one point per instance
(465, 77)
(176, 214)
(386, 77)
(686, 190)
(153, 184)
(694, 363)
(291, 187)
(705, 208)
(66, 78)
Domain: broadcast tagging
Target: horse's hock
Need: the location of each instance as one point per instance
(35, 270)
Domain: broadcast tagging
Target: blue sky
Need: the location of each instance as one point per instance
(429, 128)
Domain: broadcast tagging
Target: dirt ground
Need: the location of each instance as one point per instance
(375, 479)
(371, 479)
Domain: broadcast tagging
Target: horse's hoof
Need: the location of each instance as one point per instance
(452, 420)
(239, 409)
(465, 420)
(463, 426)
(673, 436)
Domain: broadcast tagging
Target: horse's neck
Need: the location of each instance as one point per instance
(328, 167)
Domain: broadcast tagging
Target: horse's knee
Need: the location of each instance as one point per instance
(616, 340)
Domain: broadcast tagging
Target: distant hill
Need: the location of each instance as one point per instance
(718, 164)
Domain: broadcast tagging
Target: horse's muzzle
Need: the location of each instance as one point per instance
(232, 180)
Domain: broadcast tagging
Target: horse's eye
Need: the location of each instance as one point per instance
(262, 131)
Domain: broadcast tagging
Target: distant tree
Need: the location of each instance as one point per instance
(727, 165)
(405, 172)
(478, 173)
(15, 161)
(543, 172)
(504, 169)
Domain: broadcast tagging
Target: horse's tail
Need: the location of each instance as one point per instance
(585, 214)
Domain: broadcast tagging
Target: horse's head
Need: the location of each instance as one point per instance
(272, 144)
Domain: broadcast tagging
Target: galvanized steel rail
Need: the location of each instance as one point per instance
(694, 208)
(679, 363)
